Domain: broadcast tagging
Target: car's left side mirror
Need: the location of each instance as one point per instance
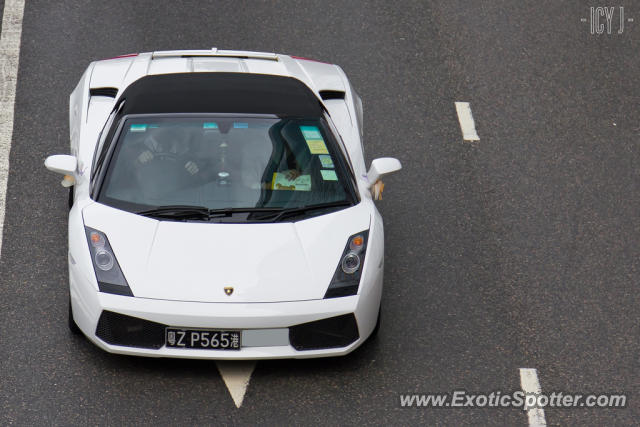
(381, 167)
(64, 164)
(61, 163)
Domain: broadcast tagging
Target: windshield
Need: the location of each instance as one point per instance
(220, 162)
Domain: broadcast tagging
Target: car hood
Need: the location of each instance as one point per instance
(271, 262)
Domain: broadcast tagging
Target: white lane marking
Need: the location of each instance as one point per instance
(9, 56)
(530, 384)
(236, 375)
(467, 125)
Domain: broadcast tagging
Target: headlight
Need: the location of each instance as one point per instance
(346, 279)
(103, 260)
(108, 273)
(350, 263)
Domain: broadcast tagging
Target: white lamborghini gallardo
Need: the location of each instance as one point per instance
(221, 207)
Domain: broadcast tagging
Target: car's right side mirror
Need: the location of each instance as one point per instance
(381, 167)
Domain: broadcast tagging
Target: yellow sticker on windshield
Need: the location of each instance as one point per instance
(281, 182)
(317, 146)
(314, 140)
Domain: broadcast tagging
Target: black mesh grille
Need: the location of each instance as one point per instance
(333, 332)
(119, 329)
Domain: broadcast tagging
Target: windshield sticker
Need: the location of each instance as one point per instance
(325, 161)
(310, 132)
(316, 146)
(314, 140)
(138, 128)
(281, 182)
(209, 125)
(240, 125)
(329, 175)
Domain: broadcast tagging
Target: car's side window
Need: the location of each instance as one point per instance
(101, 147)
(102, 138)
(340, 143)
(359, 117)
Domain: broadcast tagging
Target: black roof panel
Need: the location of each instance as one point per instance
(220, 93)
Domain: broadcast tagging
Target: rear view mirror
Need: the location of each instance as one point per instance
(381, 167)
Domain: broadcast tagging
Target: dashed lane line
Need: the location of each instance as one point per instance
(530, 384)
(467, 125)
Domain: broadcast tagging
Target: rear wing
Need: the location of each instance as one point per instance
(243, 54)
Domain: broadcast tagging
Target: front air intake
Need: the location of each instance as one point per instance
(333, 332)
(119, 329)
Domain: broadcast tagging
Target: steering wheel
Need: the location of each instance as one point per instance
(172, 157)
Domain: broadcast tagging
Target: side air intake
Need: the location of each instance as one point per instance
(331, 94)
(109, 92)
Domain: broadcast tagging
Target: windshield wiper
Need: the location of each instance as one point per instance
(216, 213)
(177, 212)
(277, 216)
(184, 212)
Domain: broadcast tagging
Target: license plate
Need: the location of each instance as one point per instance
(204, 339)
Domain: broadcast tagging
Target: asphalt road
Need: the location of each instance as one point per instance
(520, 250)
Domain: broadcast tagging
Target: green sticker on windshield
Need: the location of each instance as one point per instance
(210, 125)
(310, 132)
(329, 175)
(138, 128)
(325, 161)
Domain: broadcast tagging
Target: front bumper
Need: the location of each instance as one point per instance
(264, 326)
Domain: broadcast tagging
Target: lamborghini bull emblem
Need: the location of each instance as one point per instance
(228, 290)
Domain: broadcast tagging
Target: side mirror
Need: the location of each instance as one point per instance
(64, 164)
(61, 163)
(381, 167)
